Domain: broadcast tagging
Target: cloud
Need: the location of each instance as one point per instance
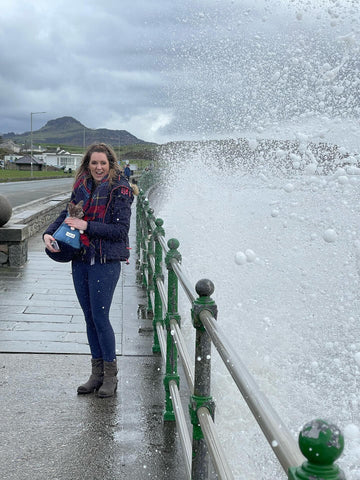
(166, 70)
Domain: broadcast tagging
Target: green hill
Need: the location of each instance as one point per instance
(69, 131)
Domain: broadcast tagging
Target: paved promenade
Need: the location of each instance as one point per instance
(48, 432)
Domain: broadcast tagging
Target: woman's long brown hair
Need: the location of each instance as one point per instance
(114, 170)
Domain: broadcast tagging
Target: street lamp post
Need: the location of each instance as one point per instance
(31, 139)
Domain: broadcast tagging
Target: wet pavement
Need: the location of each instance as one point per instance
(48, 431)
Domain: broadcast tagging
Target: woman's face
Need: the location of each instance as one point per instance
(99, 165)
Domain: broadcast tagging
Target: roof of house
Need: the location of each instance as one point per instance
(26, 160)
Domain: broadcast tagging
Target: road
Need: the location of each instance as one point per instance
(19, 193)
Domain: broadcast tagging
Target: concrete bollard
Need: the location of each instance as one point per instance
(5, 210)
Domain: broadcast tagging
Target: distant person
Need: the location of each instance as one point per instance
(107, 198)
(127, 172)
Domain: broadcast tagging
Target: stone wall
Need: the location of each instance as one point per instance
(13, 245)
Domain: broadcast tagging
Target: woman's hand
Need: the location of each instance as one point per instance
(48, 239)
(76, 223)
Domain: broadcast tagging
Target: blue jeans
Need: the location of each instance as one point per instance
(94, 286)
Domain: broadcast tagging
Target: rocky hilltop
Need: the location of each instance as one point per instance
(69, 131)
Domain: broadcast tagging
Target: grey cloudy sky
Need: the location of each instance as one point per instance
(169, 69)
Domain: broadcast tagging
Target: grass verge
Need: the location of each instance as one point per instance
(18, 175)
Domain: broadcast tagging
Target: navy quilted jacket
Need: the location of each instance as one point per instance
(110, 235)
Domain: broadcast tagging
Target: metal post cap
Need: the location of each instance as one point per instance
(321, 442)
(173, 243)
(204, 287)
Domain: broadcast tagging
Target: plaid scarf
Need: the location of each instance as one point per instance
(95, 198)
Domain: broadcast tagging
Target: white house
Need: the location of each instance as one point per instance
(12, 158)
(62, 159)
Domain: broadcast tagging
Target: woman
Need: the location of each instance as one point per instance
(107, 199)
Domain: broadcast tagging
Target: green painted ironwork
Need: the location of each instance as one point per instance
(157, 274)
(139, 213)
(142, 235)
(171, 372)
(150, 275)
(201, 396)
(321, 443)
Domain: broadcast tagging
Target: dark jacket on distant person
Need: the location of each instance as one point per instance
(127, 172)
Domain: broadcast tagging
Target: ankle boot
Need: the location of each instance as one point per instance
(109, 386)
(96, 378)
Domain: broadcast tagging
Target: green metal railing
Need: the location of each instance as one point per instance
(320, 443)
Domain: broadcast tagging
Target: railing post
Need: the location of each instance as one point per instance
(202, 381)
(150, 252)
(139, 214)
(144, 241)
(157, 274)
(321, 443)
(172, 314)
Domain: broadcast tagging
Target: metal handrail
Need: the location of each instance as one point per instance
(152, 298)
(162, 292)
(280, 439)
(185, 282)
(162, 340)
(216, 451)
(181, 424)
(202, 406)
(184, 354)
(152, 261)
(163, 244)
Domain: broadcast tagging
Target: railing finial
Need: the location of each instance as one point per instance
(159, 222)
(321, 443)
(204, 287)
(173, 243)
